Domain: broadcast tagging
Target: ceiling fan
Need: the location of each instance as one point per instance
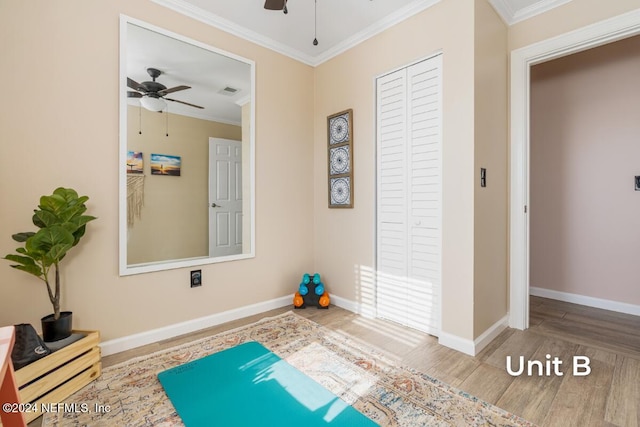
(282, 5)
(276, 5)
(153, 94)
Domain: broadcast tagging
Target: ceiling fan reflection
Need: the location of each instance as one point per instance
(153, 94)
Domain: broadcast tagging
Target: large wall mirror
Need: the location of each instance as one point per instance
(187, 134)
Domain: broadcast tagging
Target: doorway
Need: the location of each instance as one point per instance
(225, 197)
(584, 151)
(598, 34)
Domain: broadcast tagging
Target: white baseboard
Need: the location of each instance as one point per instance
(620, 307)
(474, 347)
(490, 334)
(132, 341)
(148, 337)
(365, 310)
(462, 345)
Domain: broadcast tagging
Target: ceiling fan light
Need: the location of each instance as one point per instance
(153, 104)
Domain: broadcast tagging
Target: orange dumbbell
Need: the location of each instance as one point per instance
(324, 300)
(297, 300)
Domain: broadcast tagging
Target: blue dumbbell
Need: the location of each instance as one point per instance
(306, 279)
(316, 279)
(303, 289)
(320, 288)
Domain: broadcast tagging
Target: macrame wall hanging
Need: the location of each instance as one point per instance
(135, 197)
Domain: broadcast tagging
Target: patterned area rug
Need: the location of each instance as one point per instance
(388, 394)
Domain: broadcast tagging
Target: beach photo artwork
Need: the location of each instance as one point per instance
(135, 163)
(164, 164)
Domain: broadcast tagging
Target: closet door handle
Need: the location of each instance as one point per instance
(213, 205)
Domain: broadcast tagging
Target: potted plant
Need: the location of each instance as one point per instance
(61, 222)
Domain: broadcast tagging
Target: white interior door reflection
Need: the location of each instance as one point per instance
(225, 197)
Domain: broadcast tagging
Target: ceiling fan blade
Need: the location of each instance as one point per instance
(135, 85)
(173, 89)
(275, 4)
(132, 94)
(185, 103)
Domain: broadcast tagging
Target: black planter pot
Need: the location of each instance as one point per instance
(56, 330)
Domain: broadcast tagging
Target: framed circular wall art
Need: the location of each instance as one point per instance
(340, 159)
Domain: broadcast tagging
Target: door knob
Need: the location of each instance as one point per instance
(213, 205)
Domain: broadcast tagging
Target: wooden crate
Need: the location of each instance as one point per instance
(60, 374)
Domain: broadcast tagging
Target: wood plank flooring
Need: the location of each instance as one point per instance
(609, 396)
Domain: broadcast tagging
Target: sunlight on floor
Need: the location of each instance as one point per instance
(365, 290)
(307, 387)
(343, 382)
(337, 374)
(394, 306)
(304, 392)
(395, 332)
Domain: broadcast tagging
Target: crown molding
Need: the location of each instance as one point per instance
(214, 20)
(374, 29)
(195, 114)
(210, 118)
(504, 10)
(242, 101)
(512, 16)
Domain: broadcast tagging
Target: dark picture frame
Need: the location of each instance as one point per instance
(340, 159)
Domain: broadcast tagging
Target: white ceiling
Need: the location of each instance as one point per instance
(341, 24)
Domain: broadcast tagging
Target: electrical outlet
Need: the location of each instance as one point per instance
(196, 278)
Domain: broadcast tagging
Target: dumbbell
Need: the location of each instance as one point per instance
(303, 289)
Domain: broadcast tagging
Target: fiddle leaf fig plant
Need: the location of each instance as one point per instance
(62, 223)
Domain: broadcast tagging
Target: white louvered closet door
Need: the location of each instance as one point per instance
(409, 195)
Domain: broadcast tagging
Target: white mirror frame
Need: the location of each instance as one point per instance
(125, 268)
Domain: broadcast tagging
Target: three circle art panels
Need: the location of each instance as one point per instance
(340, 146)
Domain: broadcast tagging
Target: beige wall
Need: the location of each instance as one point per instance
(59, 127)
(490, 202)
(474, 219)
(584, 156)
(174, 221)
(344, 238)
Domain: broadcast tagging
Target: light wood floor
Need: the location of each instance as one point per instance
(609, 396)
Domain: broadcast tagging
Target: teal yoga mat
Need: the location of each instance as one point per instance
(248, 385)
